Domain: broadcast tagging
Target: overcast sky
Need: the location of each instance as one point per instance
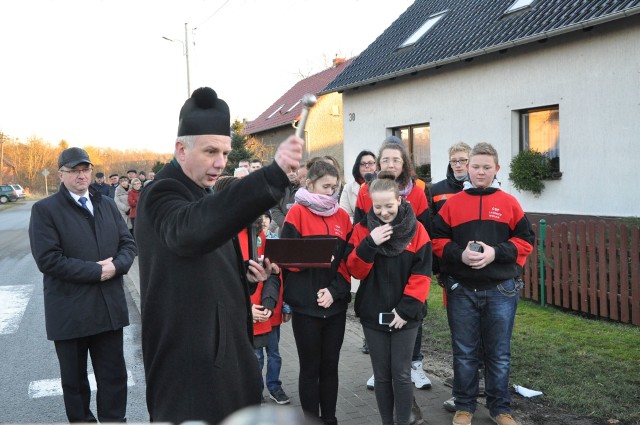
(99, 72)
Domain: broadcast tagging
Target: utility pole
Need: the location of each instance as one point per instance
(186, 54)
(185, 45)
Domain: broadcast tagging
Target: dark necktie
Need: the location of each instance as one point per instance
(83, 202)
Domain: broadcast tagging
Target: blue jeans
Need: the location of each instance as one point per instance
(482, 318)
(274, 361)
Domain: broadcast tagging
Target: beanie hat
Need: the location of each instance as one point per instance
(204, 113)
(99, 175)
(72, 157)
(393, 139)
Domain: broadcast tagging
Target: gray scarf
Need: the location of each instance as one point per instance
(404, 228)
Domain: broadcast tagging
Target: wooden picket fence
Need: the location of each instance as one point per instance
(589, 267)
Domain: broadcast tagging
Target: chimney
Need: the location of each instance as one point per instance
(337, 61)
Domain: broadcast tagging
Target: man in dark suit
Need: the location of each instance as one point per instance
(99, 185)
(197, 327)
(114, 181)
(83, 248)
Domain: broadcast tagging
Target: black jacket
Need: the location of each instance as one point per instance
(440, 192)
(280, 210)
(103, 188)
(196, 317)
(444, 190)
(66, 243)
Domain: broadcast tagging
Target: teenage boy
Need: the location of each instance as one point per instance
(482, 238)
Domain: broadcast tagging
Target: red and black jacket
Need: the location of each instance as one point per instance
(488, 215)
(301, 286)
(401, 282)
(267, 292)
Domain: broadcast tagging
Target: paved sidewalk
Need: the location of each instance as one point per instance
(356, 404)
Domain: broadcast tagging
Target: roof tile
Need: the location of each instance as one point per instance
(313, 84)
(470, 28)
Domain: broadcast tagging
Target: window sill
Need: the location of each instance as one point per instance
(555, 175)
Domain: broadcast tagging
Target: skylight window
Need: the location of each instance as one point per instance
(276, 111)
(519, 4)
(433, 19)
(293, 106)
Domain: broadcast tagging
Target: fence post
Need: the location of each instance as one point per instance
(541, 258)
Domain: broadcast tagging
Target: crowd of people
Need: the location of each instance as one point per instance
(212, 305)
(125, 190)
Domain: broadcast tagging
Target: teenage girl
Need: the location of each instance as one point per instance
(390, 252)
(318, 296)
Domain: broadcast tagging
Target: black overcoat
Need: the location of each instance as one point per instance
(196, 318)
(66, 243)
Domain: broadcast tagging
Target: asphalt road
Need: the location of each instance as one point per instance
(29, 373)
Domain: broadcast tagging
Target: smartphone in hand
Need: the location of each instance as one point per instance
(476, 247)
(386, 318)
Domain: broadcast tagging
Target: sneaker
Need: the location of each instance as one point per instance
(370, 383)
(504, 419)
(279, 396)
(418, 377)
(450, 405)
(462, 418)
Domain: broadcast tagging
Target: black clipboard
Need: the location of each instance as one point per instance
(301, 253)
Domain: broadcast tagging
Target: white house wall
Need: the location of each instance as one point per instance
(593, 76)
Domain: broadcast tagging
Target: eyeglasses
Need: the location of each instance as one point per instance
(367, 164)
(395, 161)
(84, 171)
(458, 161)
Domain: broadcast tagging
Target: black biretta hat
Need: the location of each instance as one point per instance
(204, 113)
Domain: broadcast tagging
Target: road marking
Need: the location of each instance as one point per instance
(13, 303)
(53, 387)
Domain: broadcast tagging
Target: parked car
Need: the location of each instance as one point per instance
(7, 193)
(19, 191)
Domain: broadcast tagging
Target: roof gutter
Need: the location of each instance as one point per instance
(469, 55)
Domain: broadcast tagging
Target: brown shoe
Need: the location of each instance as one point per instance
(504, 419)
(462, 418)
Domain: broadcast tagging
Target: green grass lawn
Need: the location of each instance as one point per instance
(589, 367)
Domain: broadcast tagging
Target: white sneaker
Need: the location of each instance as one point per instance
(418, 376)
(370, 383)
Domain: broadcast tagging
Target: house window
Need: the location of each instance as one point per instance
(417, 140)
(519, 4)
(431, 21)
(293, 106)
(276, 111)
(540, 131)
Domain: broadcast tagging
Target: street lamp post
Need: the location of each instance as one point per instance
(185, 46)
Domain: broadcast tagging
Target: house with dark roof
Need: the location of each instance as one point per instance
(323, 131)
(557, 76)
